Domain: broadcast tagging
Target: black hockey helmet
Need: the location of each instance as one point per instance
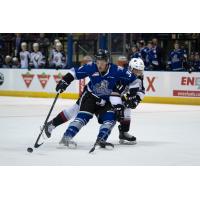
(102, 55)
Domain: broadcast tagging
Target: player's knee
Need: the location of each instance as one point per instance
(84, 117)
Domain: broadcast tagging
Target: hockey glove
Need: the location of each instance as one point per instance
(119, 111)
(132, 102)
(99, 101)
(61, 86)
(64, 83)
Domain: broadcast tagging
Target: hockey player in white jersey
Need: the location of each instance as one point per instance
(58, 59)
(24, 56)
(53, 49)
(37, 60)
(129, 96)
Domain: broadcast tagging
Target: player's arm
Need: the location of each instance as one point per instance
(135, 94)
(74, 73)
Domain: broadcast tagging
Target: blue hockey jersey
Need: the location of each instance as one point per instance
(103, 85)
(151, 58)
(175, 60)
(136, 55)
(196, 65)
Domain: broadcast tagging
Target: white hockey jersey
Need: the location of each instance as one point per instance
(37, 59)
(58, 59)
(24, 59)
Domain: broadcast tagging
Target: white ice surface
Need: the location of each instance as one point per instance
(167, 135)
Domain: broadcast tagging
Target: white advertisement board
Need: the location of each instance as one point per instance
(34, 80)
(157, 84)
(172, 84)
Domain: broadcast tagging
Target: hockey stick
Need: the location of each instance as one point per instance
(36, 145)
(106, 144)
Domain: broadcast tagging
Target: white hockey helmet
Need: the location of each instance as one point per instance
(136, 63)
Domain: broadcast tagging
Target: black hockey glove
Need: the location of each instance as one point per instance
(61, 86)
(131, 102)
(64, 83)
(119, 111)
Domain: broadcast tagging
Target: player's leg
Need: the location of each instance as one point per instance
(87, 108)
(124, 127)
(108, 120)
(61, 118)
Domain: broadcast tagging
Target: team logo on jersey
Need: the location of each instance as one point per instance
(1, 79)
(36, 57)
(28, 77)
(102, 88)
(58, 77)
(43, 78)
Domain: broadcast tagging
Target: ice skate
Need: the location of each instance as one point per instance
(68, 142)
(126, 138)
(48, 130)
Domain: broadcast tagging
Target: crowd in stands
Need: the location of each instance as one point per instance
(177, 58)
(42, 53)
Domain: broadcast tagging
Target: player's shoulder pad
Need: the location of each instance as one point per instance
(88, 67)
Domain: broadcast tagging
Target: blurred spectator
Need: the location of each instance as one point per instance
(122, 61)
(15, 62)
(157, 57)
(58, 60)
(44, 44)
(176, 58)
(183, 50)
(18, 40)
(143, 50)
(8, 62)
(196, 63)
(87, 60)
(135, 53)
(1, 60)
(1, 44)
(191, 59)
(150, 56)
(24, 56)
(37, 60)
(53, 49)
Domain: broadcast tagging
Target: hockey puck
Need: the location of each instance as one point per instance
(30, 150)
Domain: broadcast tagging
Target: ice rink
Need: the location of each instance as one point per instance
(167, 135)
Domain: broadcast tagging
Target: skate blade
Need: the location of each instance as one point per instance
(109, 148)
(124, 142)
(66, 147)
(69, 146)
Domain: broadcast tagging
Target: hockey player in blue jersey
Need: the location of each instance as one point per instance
(196, 62)
(70, 112)
(176, 58)
(152, 62)
(135, 52)
(103, 77)
(143, 50)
